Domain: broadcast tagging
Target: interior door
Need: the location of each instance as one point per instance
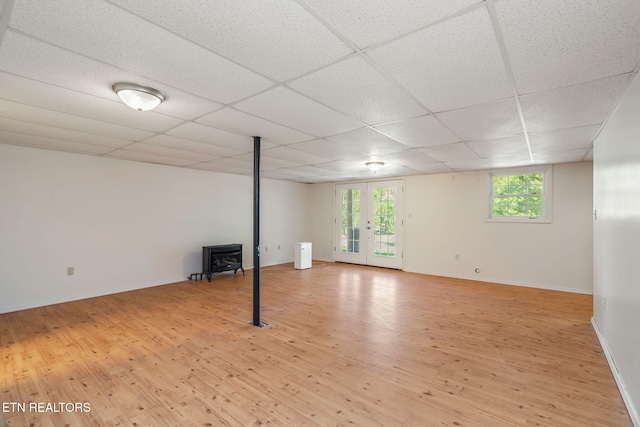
(369, 223)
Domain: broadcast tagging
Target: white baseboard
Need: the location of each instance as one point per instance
(633, 412)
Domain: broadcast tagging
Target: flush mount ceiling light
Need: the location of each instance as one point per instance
(138, 97)
(374, 166)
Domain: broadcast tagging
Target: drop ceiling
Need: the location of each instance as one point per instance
(426, 86)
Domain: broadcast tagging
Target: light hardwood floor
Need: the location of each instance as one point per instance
(344, 345)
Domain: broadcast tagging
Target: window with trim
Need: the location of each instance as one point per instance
(521, 196)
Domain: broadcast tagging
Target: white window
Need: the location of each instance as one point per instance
(521, 196)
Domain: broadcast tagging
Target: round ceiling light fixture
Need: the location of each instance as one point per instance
(141, 98)
(374, 166)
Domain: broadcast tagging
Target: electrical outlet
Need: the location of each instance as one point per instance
(457, 257)
(278, 247)
(266, 248)
(604, 304)
(71, 271)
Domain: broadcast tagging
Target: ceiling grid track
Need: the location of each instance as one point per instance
(493, 15)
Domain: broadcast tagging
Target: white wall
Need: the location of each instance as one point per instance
(617, 244)
(322, 196)
(446, 213)
(125, 225)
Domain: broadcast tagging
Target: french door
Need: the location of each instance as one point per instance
(368, 223)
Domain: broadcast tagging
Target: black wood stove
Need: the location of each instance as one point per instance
(219, 258)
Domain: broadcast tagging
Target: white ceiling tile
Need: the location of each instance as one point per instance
(368, 141)
(510, 161)
(293, 155)
(267, 162)
(432, 168)
(136, 45)
(52, 144)
(389, 170)
(487, 121)
(563, 139)
(409, 158)
(450, 152)
(24, 56)
(477, 164)
(454, 64)
(559, 43)
(55, 98)
(342, 166)
(327, 149)
(366, 22)
(169, 152)
(41, 116)
(573, 106)
(560, 156)
(500, 147)
(240, 122)
(308, 170)
(234, 163)
(148, 158)
(17, 126)
(298, 112)
(255, 34)
(419, 132)
(222, 168)
(175, 143)
(355, 88)
(209, 135)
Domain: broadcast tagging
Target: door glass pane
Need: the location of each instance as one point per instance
(350, 232)
(384, 221)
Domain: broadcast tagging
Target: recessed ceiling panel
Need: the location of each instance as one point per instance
(573, 106)
(115, 36)
(368, 141)
(453, 64)
(263, 36)
(555, 43)
(366, 22)
(487, 121)
(281, 105)
(241, 122)
(355, 88)
(420, 131)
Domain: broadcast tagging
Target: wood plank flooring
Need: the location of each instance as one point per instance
(344, 345)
